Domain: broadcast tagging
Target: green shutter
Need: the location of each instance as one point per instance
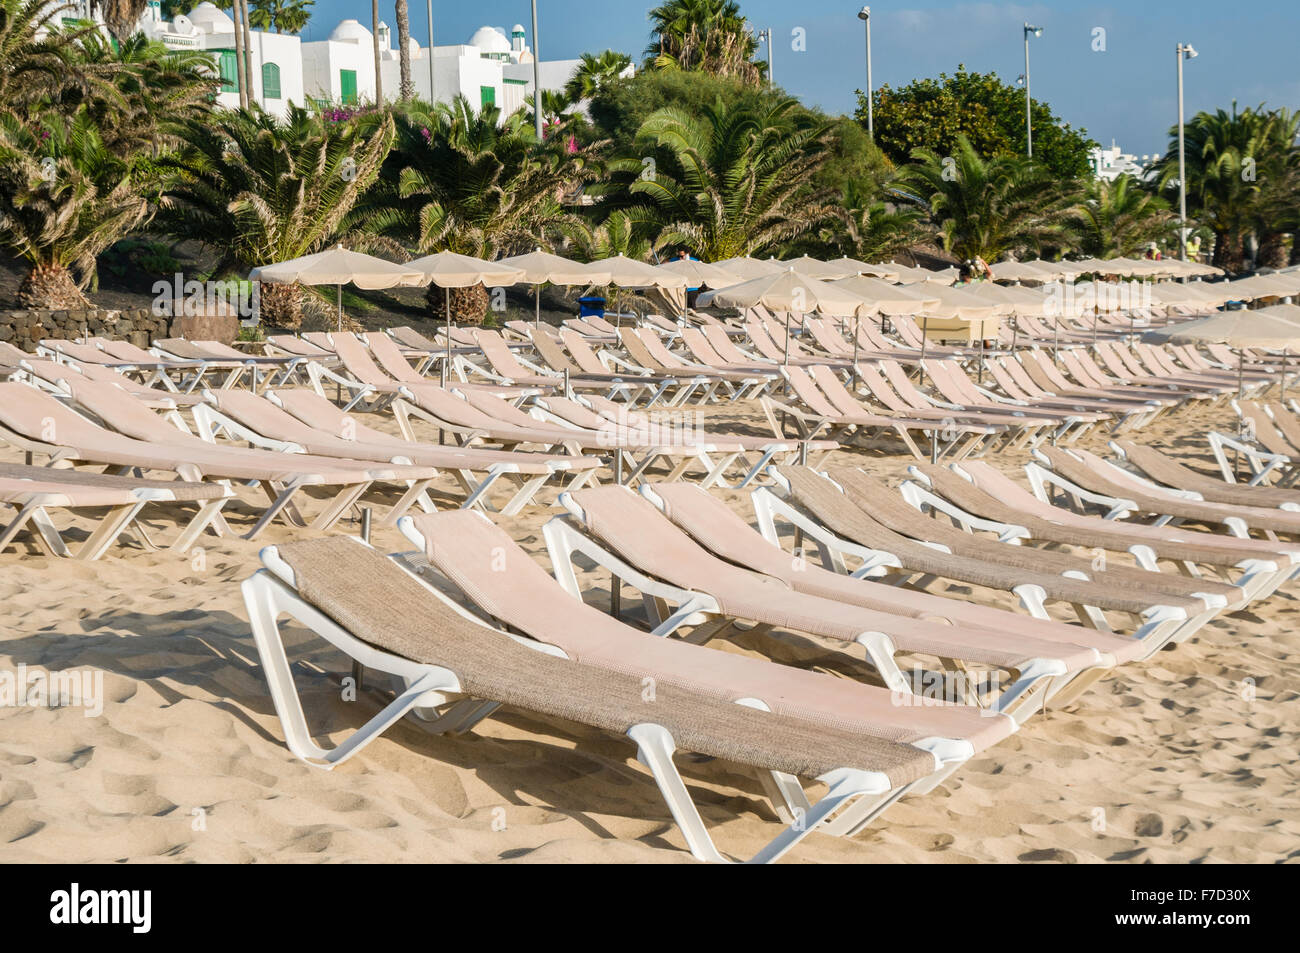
(270, 81)
(229, 71)
(348, 86)
(487, 95)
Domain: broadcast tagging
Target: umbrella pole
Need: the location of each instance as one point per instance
(340, 289)
(981, 371)
(857, 319)
(787, 339)
(446, 364)
(925, 325)
(1241, 368)
(1284, 356)
(1056, 340)
(1015, 334)
(537, 304)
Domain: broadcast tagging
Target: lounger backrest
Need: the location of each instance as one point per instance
(959, 383)
(39, 416)
(259, 414)
(655, 345)
(575, 413)
(497, 352)
(827, 337)
(126, 351)
(726, 349)
(898, 379)
(1002, 377)
(700, 348)
(408, 336)
(322, 414)
(86, 353)
(361, 365)
(879, 389)
(396, 613)
(636, 350)
(763, 342)
(549, 349)
(835, 391)
(183, 349)
(446, 405)
(325, 340)
(124, 413)
(582, 353)
(297, 346)
(1266, 432)
(502, 410)
(804, 388)
(1070, 359)
(1017, 371)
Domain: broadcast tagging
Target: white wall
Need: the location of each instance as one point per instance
(323, 59)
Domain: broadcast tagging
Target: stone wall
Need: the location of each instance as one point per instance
(25, 329)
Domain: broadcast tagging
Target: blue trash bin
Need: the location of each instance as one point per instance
(592, 305)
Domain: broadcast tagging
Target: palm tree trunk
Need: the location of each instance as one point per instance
(374, 33)
(236, 9)
(248, 50)
(50, 287)
(403, 48)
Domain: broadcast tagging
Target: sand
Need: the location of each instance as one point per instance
(1189, 757)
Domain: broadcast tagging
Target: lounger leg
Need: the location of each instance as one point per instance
(339, 505)
(109, 528)
(845, 785)
(208, 513)
(655, 747)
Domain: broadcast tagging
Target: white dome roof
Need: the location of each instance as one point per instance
(517, 28)
(351, 30)
(208, 18)
(490, 39)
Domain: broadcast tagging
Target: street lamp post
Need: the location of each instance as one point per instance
(1185, 51)
(1029, 122)
(765, 36)
(433, 85)
(537, 76)
(865, 16)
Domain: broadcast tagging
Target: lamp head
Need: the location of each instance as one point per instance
(864, 13)
(1033, 30)
(1189, 52)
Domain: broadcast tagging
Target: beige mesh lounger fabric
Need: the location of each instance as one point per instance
(385, 618)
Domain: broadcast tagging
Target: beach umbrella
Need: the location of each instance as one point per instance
(1237, 329)
(1020, 271)
(889, 298)
(700, 273)
(816, 268)
(540, 267)
(746, 268)
(338, 266)
(627, 272)
(789, 291)
(449, 270)
(852, 266)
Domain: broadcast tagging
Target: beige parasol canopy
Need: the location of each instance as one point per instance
(887, 298)
(1234, 328)
(630, 273)
(816, 268)
(852, 267)
(746, 268)
(338, 266)
(789, 291)
(449, 270)
(700, 273)
(540, 267)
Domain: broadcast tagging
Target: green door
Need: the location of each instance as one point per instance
(348, 86)
(487, 95)
(229, 71)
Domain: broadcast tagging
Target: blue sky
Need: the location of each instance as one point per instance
(1126, 92)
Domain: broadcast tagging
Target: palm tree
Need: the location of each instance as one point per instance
(122, 17)
(147, 87)
(35, 54)
(868, 227)
(730, 181)
(259, 189)
(1121, 218)
(283, 16)
(987, 208)
(406, 87)
(593, 72)
(706, 35)
(64, 199)
(240, 58)
(619, 234)
(475, 183)
(1241, 172)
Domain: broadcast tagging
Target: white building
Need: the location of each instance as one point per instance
(1110, 164)
(490, 68)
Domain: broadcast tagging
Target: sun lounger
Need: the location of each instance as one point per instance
(507, 368)
(218, 356)
(308, 421)
(618, 530)
(977, 497)
(388, 620)
(37, 423)
(841, 522)
(34, 491)
(50, 376)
